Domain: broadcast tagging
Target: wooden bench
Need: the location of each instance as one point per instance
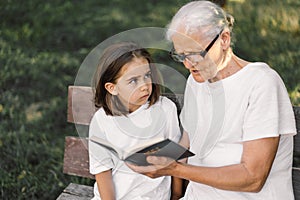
(76, 159)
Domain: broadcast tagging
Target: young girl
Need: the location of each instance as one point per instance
(131, 111)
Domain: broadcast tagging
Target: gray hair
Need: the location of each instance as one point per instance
(200, 15)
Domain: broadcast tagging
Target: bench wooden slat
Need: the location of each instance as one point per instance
(296, 182)
(77, 192)
(80, 105)
(297, 137)
(76, 157)
(66, 196)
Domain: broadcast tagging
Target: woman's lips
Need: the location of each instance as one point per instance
(194, 71)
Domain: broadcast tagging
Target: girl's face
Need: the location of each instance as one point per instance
(134, 86)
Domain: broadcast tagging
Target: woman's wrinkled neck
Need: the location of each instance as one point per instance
(230, 65)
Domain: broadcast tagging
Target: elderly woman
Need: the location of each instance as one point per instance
(237, 116)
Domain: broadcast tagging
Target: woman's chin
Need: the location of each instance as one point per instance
(198, 78)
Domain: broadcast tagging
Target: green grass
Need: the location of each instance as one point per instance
(43, 43)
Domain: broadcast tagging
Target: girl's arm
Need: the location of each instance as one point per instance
(177, 183)
(105, 185)
(177, 187)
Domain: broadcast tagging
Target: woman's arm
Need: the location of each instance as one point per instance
(249, 175)
(105, 185)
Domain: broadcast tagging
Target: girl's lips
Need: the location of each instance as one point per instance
(145, 96)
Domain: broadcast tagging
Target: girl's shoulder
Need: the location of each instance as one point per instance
(99, 112)
(165, 103)
(100, 115)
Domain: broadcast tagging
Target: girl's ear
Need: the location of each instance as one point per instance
(225, 39)
(111, 88)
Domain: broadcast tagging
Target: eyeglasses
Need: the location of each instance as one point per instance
(192, 55)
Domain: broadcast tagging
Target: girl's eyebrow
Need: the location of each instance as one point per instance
(135, 77)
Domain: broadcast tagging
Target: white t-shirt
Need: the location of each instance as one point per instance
(218, 117)
(159, 120)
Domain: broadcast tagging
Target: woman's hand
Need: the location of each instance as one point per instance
(160, 166)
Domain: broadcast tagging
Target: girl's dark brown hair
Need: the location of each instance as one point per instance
(108, 70)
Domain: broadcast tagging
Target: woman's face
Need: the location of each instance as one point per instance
(201, 68)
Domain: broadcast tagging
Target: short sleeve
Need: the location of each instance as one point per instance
(269, 112)
(100, 159)
(189, 113)
(173, 129)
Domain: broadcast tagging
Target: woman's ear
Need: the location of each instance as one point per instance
(111, 88)
(225, 39)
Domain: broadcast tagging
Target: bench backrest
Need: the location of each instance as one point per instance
(81, 110)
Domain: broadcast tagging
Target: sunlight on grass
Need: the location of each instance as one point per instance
(282, 18)
(33, 112)
(295, 96)
(237, 1)
(289, 20)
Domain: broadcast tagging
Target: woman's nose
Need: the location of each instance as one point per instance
(188, 64)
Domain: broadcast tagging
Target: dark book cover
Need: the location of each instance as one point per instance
(166, 148)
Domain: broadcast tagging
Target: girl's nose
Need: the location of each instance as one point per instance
(144, 86)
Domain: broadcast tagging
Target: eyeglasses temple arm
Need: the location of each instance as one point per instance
(212, 42)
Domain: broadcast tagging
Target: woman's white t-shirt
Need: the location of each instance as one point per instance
(218, 117)
(158, 120)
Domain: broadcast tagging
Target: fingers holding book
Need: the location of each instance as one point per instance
(159, 166)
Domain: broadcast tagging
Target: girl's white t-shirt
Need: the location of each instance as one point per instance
(158, 120)
(218, 117)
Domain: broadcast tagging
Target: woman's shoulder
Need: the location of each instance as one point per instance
(259, 71)
(263, 76)
(259, 68)
(263, 68)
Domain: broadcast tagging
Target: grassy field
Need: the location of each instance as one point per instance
(43, 43)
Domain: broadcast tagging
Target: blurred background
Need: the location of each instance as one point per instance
(43, 43)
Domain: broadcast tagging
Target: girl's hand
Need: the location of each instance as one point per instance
(160, 166)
